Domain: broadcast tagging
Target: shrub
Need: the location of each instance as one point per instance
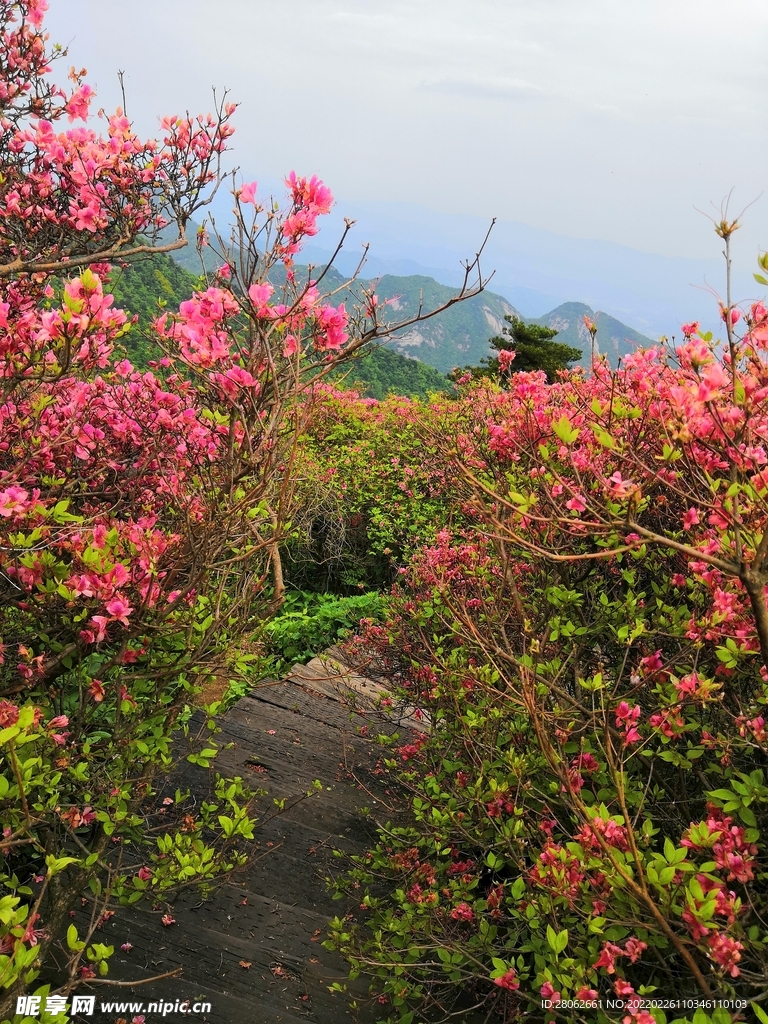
(588, 811)
(140, 512)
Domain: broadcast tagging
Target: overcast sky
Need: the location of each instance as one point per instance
(595, 119)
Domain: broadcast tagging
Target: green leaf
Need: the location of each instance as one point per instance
(603, 437)
(57, 864)
(9, 733)
(557, 940)
(565, 431)
(227, 825)
(722, 794)
(747, 816)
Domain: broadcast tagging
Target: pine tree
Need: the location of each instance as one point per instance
(533, 349)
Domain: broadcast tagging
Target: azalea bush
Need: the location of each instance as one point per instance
(589, 806)
(141, 513)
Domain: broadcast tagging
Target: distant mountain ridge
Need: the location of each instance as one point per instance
(460, 335)
(613, 338)
(537, 270)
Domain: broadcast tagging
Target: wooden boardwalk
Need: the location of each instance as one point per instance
(253, 949)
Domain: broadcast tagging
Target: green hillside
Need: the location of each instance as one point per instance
(454, 337)
(149, 284)
(614, 338)
(382, 371)
(415, 359)
(146, 286)
(460, 336)
(457, 336)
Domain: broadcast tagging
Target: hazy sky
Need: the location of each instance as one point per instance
(596, 119)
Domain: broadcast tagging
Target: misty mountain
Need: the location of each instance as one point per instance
(455, 337)
(536, 270)
(460, 335)
(613, 338)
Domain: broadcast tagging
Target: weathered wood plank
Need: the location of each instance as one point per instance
(273, 913)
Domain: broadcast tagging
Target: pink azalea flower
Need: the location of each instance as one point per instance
(79, 103)
(576, 503)
(726, 951)
(688, 685)
(586, 995)
(119, 609)
(733, 315)
(59, 722)
(35, 12)
(508, 981)
(9, 713)
(247, 193)
(101, 622)
(462, 912)
(96, 690)
(607, 958)
(13, 501)
(691, 518)
(626, 717)
(290, 346)
(623, 988)
(634, 948)
(310, 192)
(547, 991)
(100, 532)
(632, 735)
(587, 763)
(259, 295)
(86, 218)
